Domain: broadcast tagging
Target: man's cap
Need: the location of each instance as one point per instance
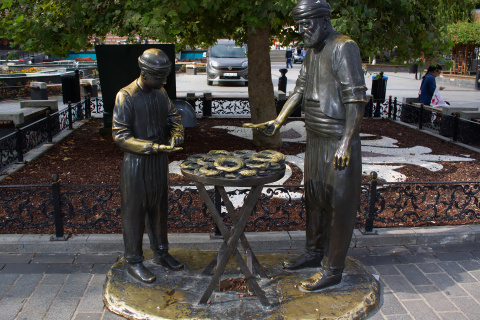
(308, 9)
(154, 61)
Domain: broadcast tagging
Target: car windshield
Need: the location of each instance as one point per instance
(227, 51)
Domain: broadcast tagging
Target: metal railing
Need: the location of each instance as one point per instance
(14, 145)
(60, 208)
(426, 118)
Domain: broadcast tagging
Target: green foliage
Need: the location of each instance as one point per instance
(410, 27)
(465, 32)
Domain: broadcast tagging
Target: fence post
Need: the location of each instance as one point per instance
(49, 127)
(207, 104)
(19, 143)
(70, 116)
(389, 107)
(395, 108)
(372, 210)
(88, 112)
(420, 117)
(370, 107)
(378, 109)
(57, 211)
(79, 111)
(456, 122)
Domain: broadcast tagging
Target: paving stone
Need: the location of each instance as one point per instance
(427, 248)
(445, 283)
(69, 268)
(387, 269)
(413, 274)
(358, 252)
(23, 268)
(452, 316)
(88, 316)
(475, 274)
(436, 298)
(382, 251)
(98, 280)
(469, 307)
(101, 268)
(399, 317)
(10, 307)
(455, 256)
(416, 258)
(15, 257)
(107, 315)
(30, 315)
(462, 247)
(391, 305)
(473, 289)
(402, 288)
(97, 258)
(377, 260)
(470, 265)
(62, 309)
(41, 299)
(420, 310)
(429, 268)
(476, 253)
(53, 279)
(75, 285)
(8, 278)
(92, 301)
(53, 258)
(456, 272)
(376, 316)
(24, 286)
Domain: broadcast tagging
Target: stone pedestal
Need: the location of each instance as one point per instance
(176, 294)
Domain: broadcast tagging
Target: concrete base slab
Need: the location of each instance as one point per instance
(175, 294)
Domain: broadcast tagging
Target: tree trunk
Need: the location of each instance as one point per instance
(260, 87)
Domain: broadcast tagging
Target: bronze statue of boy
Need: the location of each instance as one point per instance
(147, 127)
(331, 90)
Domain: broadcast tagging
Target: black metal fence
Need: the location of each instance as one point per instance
(59, 208)
(14, 146)
(426, 118)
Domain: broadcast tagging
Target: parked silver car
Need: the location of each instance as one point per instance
(227, 62)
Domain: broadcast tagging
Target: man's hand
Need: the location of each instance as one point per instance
(342, 157)
(268, 128)
(167, 148)
(176, 139)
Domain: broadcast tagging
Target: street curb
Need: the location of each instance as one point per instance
(287, 241)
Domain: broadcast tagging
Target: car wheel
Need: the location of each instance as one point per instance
(209, 82)
(246, 83)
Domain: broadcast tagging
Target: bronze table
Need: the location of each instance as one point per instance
(231, 237)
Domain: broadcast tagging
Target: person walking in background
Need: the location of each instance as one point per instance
(289, 55)
(428, 85)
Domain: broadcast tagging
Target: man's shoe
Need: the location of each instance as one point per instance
(307, 260)
(325, 279)
(168, 261)
(140, 272)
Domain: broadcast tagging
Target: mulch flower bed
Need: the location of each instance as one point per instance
(87, 158)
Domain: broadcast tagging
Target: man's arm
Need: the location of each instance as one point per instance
(349, 72)
(353, 119)
(269, 128)
(175, 123)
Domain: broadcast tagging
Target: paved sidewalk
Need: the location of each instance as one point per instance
(425, 273)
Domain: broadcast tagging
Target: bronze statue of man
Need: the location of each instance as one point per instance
(331, 91)
(147, 127)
